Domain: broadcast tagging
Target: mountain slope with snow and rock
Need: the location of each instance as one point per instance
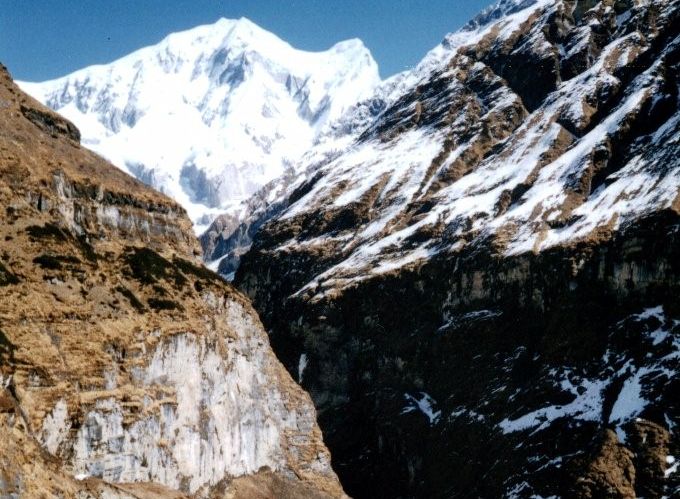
(479, 289)
(229, 237)
(210, 115)
(127, 369)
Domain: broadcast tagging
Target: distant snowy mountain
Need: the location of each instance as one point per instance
(211, 114)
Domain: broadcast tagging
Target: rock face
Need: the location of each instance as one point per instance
(480, 292)
(234, 107)
(126, 368)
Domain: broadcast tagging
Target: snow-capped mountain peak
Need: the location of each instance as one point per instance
(211, 114)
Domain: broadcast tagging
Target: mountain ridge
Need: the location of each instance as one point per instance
(191, 138)
(482, 280)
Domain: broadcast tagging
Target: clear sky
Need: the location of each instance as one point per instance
(44, 39)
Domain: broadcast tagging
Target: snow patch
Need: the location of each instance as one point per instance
(672, 466)
(424, 404)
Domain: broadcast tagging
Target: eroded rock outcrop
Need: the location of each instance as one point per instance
(126, 368)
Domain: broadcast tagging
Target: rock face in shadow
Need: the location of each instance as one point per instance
(480, 293)
(127, 369)
(511, 365)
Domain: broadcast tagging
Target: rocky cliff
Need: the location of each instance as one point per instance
(480, 292)
(126, 368)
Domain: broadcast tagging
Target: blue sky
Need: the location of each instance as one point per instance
(43, 39)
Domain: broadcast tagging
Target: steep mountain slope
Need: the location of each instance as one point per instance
(126, 368)
(210, 115)
(480, 292)
(228, 237)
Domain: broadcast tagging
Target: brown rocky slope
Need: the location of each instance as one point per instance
(126, 368)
